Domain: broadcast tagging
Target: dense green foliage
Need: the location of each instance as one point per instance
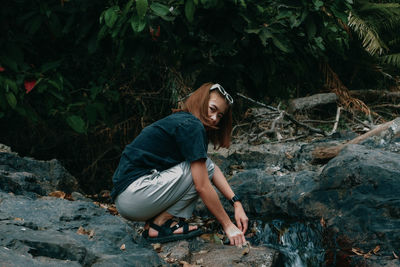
(78, 79)
(377, 23)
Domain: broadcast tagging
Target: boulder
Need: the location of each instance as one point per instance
(38, 230)
(358, 192)
(34, 177)
(51, 231)
(355, 195)
(266, 195)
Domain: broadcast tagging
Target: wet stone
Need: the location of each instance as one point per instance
(199, 252)
(223, 255)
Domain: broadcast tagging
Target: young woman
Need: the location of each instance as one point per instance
(165, 169)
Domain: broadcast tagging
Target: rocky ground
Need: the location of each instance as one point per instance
(46, 221)
(354, 196)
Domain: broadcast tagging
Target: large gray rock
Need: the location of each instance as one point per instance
(359, 193)
(37, 230)
(45, 232)
(266, 195)
(33, 177)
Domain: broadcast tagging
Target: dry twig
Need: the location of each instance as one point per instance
(336, 121)
(286, 116)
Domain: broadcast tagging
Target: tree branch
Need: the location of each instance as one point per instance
(286, 115)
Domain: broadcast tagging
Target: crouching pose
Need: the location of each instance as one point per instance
(165, 169)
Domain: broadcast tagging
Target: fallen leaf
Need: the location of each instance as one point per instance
(83, 231)
(112, 209)
(246, 250)
(2, 69)
(170, 260)
(395, 255)
(322, 222)
(214, 238)
(200, 261)
(217, 239)
(18, 219)
(122, 247)
(376, 249)
(69, 197)
(206, 237)
(105, 194)
(288, 155)
(58, 194)
(157, 247)
(91, 233)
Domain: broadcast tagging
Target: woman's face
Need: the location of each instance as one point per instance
(217, 107)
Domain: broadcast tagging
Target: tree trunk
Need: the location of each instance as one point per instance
(310, 102)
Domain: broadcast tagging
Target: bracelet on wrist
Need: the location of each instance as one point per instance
(234, 199)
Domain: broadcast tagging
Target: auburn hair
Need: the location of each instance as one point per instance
(197, 104)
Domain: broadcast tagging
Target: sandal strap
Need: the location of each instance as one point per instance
(168, 223)
(185, 226)
(155, 226)
(164, 229)
(176, 226)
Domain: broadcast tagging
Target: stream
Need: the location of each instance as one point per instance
(299, 243)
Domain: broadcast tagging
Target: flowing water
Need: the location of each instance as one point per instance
(300, 243)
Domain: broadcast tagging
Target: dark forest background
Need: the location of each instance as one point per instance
(80, 79)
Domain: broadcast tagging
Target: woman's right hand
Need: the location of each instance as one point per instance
(236, 237)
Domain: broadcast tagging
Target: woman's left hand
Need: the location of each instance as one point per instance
(240, 217)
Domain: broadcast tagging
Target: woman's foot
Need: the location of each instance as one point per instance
(160, 220)
(154, 233)
(161, 231)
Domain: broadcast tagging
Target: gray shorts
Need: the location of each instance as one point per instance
(171, 190)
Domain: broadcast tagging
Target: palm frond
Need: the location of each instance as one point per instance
(371, 41)
(384, 7)
(333, 82)
(384, 16)
(395, 42)
(392, 59)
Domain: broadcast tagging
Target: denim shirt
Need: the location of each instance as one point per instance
(165, 143)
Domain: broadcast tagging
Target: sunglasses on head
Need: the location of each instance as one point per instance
(223, 92)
